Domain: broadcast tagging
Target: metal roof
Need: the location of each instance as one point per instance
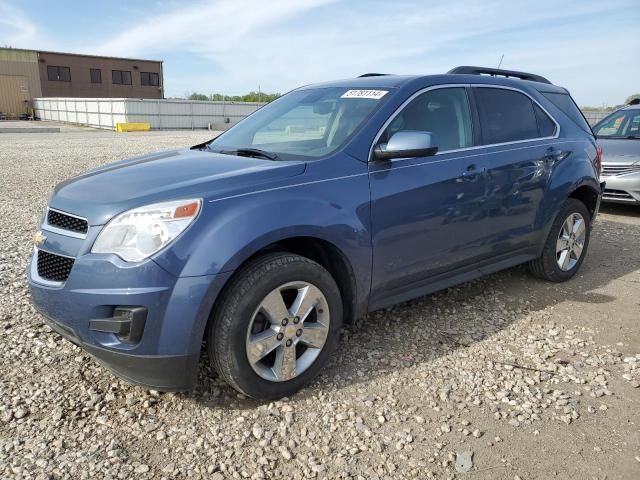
(397, 81)
(81, 55)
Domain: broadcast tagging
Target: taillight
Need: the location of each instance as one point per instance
(599, 159)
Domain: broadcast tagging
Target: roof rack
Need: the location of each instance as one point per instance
(372, 75)
(496, 72)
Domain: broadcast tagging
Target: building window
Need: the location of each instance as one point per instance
(149, 79)
(96, 75)
(121, 77)
(58, 74)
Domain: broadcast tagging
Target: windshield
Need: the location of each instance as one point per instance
(621, 124)
(310, 123)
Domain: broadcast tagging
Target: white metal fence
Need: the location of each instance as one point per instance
(161, 114)
(594, 116)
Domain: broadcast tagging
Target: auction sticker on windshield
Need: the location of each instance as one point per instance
(369, 94)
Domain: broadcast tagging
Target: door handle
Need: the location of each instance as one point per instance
(471, 174)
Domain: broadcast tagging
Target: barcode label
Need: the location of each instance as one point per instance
(369, 94)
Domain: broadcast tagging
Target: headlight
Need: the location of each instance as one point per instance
(139, 233)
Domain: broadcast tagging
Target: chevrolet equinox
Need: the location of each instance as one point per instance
(332, 201)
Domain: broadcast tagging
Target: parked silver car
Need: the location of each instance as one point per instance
(619, 136)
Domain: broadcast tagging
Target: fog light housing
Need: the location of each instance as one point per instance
(127, 323)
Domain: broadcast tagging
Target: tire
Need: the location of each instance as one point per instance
(547, 266)
(250, 302)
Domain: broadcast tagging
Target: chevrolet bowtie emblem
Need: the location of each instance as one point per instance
(39, 238)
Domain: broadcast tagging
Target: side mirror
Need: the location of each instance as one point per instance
(407, 144)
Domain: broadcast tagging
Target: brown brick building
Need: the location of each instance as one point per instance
(27, 74)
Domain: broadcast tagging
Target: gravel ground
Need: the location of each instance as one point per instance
(535, 380)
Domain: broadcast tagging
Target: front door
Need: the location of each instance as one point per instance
(428, 213)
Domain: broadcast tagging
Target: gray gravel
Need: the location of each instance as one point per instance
(529, 379)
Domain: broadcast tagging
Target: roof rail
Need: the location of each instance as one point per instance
(373, 75)
(496, 72)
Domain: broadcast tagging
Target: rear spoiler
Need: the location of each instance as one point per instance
(373, 75)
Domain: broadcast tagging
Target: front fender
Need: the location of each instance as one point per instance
(230, 230)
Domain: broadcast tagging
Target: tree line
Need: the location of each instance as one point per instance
(270, 97)
(610, 108)
(248, 97)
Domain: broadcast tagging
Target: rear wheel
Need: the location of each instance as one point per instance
(566, 245)
(276, 325)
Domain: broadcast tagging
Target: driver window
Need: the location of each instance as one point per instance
(444, 112)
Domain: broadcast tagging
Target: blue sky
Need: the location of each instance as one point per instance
(233, 46)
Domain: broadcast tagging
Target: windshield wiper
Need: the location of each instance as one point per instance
(248, 152)
(256, 152)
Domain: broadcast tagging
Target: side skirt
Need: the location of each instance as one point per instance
(446, 280)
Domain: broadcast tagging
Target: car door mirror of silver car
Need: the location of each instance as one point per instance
(407, 144)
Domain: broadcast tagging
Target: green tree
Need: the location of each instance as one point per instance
(248, 97)
(603, 108)
(632, 97)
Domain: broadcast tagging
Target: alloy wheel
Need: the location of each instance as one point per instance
(570, 242)
(287, 331)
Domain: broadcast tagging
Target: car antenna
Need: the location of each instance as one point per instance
(500, 62)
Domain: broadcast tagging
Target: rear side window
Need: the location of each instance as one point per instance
(565, 103)
(505, 116)
(546, 126)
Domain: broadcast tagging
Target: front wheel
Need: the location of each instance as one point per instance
(276, 325)
(566, 245)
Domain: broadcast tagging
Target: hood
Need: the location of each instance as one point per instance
(101, 193)
(620, 150)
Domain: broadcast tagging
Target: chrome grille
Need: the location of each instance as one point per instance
(55, 268)
(611, 170)
(616, 195)
(67, 222)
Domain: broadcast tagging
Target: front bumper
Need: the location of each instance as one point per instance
(622, 189)
(165, 373)
(166, 356)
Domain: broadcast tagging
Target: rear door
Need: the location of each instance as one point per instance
(521, 148)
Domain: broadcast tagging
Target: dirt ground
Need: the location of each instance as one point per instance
(537, 380)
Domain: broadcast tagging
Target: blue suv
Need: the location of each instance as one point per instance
(333, 201)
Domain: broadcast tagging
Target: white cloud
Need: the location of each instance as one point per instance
(206, 27)
(16, 29)
(282, 44)
(234, 46)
